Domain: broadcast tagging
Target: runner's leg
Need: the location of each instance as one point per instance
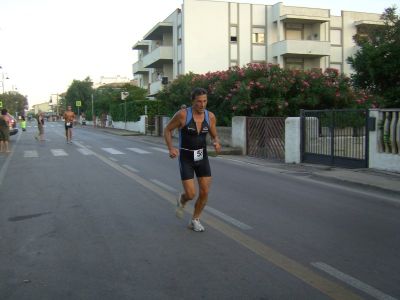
(204, 187)
(189, 190)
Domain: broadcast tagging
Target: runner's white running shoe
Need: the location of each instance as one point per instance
(195, 225)
(180, 208)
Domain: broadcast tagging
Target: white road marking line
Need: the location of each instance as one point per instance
(165, 186)
(131, 168)
(137, 150)
(112, 151)
(4, 167)
(112, 158)
(58, 152)
(160, 149)
(228, 218)
(371, 291)
(85, 151)
(31, 153)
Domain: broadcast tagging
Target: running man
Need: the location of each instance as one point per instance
(193, 123)
(69, 118)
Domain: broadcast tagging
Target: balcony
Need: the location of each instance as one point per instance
(157, 32)
(304, 48)
(158, 57)
(141, 45)
(155, 87)
(138, 68)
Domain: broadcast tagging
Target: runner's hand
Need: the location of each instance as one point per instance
(173, 152)
(217, 147)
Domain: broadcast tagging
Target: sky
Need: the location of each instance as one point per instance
(46, 44)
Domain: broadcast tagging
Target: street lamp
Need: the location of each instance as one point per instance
(2, 78)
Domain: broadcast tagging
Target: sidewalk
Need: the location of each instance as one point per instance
(368, 178)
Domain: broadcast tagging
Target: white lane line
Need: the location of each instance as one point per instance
(58, 152)
(31, 153)
(228, 218)
(377, 294)
(112, 151)
(85, 151)
(4, 168)
(137, 150)
(165, 186)
(131, 168)
(160, 149)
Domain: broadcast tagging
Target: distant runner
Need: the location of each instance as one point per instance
(193, 123)
(69, 118)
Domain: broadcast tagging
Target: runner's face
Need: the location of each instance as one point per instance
(200, 103)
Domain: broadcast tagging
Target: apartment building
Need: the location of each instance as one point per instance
(206, 35)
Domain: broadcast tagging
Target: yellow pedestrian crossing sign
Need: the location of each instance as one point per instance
(78, 103)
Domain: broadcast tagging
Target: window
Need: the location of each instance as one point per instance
(336, 36)
(258, 36)
(292, 63)
(233, 34)
(294, 31)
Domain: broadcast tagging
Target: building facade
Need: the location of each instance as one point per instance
(205, 36)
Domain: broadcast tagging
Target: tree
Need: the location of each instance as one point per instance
(377, 62)
(80, 91)
(14, 102)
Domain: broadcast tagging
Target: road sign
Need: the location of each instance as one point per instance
(78, 103)
(124, 95)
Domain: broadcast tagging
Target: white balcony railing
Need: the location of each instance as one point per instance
(138, 68)
(157, 57)
(301, 47)
(155, 87)
(389, 131)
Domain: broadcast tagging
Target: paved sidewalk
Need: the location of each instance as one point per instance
(369, 178)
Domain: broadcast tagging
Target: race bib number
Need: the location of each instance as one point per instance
(198, 155)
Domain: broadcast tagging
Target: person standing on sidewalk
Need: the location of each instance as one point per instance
(193, 123)
(69, 118)
(4, 131)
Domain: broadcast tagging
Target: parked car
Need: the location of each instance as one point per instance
(12, 124)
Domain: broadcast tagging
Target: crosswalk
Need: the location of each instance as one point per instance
(57, 152)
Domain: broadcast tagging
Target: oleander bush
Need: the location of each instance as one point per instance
(266, 90)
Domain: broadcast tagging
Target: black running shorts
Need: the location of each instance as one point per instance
(188, 168)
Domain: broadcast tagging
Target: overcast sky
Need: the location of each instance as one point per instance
(46, 44)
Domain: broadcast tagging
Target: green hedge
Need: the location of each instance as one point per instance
(136, 108)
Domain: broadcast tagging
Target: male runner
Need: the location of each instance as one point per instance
(193, 123)
(69, 118)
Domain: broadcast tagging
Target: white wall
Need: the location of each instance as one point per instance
(244, 29)
(292, 140)
(206, 36)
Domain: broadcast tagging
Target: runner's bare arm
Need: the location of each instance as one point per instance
(213, 132)
(174, 123)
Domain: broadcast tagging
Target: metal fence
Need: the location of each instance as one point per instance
(335, 137)
(266, 137)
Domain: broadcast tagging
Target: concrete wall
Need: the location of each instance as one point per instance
(292, 140)
(239, 136)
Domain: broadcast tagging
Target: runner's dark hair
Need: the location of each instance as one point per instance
(197, 92)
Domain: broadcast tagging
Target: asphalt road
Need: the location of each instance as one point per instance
(95, 220)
